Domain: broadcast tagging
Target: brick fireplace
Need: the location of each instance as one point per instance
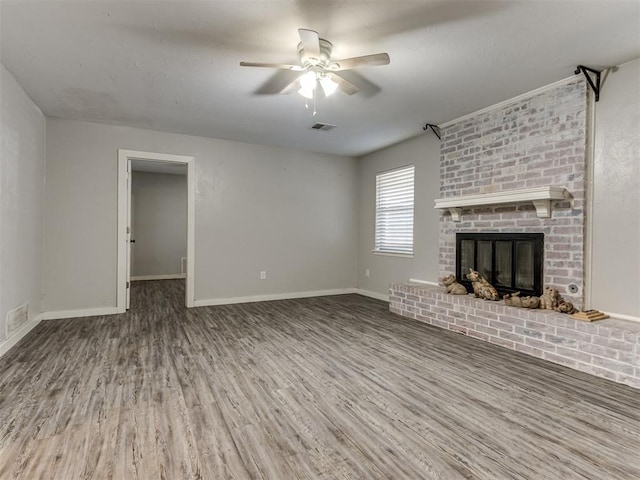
(535, 144)
(539, 141)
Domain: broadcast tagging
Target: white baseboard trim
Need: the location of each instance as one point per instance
(620, 316)
(169, 276)
(369, 293)
(20, 334)
(425, 282)
(87, 312)
(275, 296)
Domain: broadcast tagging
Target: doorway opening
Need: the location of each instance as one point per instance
(132, 164)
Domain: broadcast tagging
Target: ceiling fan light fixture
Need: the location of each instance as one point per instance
(306, 92)
(328, 85)
(308, 81)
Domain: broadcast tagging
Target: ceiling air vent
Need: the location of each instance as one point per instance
(325, 127)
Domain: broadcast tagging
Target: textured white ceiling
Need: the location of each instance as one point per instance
(174, 65)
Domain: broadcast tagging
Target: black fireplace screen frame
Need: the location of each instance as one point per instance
(535, 239)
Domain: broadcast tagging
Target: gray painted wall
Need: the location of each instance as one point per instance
(291, 213)
(287, 212)
(22, 170)
(616, 194)
(159, 227)
(424, 153)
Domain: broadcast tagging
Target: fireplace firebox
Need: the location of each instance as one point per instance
(511, 262)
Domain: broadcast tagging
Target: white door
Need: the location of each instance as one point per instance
(129, 243)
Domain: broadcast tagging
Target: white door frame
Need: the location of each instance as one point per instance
(127, 301)
(123, 210)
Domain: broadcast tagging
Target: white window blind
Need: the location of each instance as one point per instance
(394, 211)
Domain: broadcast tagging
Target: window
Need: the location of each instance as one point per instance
(394, 211)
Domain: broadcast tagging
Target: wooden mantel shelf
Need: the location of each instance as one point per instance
(541, 198)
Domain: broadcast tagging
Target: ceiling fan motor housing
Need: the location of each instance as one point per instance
(326, 48)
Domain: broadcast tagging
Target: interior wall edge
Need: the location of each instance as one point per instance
(22, 169)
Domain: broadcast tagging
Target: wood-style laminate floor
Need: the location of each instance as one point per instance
(319, 388)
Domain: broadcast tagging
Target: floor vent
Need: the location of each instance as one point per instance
(325, 127)
(16, 318)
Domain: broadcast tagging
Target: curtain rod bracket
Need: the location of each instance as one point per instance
(434, 128)
(594, 86)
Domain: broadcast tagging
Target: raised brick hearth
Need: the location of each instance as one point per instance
(607, 348)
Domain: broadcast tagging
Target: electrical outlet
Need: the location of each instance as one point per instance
(263, 275)
(367, 273)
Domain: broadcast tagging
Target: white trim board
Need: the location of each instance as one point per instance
(589, 206)
(372, 294)
(170, 276)
(83, 312)
(274, 296)
(123, 159)
(510, 101)
(425, 282)
(20, 334)
(620, 316)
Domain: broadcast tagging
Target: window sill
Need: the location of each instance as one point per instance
(392, 254)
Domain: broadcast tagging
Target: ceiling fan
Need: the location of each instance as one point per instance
(318, 68)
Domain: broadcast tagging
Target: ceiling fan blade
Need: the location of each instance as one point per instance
(291, 88)
(275, 84)
(358, 62)
(345, 85)
(295, 68)
(310, 42)
(366, 86)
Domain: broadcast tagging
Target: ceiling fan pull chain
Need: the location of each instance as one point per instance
(314, 99)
